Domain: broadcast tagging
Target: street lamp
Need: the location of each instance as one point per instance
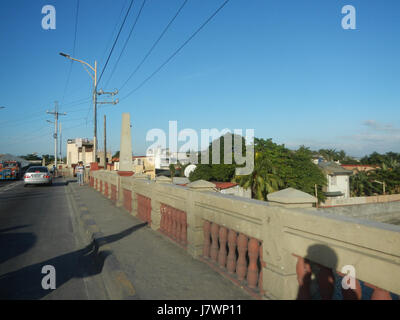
(94, 77)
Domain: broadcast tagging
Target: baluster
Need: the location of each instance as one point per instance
(169, 222)
(326, 283)
(214, 241)
(380, 294)
(260, 276)
(223, 235)
(352, 294)
(174, 224)
(303, 270)
(241, 267)
(252, 273)
(162, 221)
(206, 242)
(231, 261)
(148, 210)
(184, 228)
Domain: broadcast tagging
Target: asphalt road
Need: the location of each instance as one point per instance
(37, 229)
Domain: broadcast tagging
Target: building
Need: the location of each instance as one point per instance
(81, 149)
(164, 157)
(338, 180)
(360, 167)
(233, 188)
(140, 165)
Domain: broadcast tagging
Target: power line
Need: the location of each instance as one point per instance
(176, 51)
(126, 41)
(115, 28)
(115, 42)
(154, 44)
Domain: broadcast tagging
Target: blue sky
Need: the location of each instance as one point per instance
(286, 69)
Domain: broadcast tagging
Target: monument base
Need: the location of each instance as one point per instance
(125, 173)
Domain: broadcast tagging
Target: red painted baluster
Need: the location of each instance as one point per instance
(222, 254)
(260, 275)
(184, 228)
(162, 220)
(326, 283)
(173, 217)
(231, 261)
(252, 273)
(303, 270)
(148, 210)
(180, 224)
(380, 294)
(206, 242)
(241, 267)
(214, 241)
(170, 222)
(352, 294)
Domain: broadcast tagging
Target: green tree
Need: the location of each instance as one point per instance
(219, 172)
(172, 170)
(277, 167)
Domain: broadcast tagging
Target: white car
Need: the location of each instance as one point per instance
(38, 175)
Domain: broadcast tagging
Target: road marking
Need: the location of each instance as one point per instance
(10, 186)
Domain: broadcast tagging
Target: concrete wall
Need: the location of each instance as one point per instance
(383, 212)
(360, 200)
(286, 235)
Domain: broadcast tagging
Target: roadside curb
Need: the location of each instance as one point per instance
(116, 282)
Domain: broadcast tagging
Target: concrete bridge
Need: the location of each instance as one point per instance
(276, 250)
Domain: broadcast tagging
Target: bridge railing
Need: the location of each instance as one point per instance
(274, 251)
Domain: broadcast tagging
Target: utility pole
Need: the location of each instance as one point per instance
(106, 102)
(105, 144)
(60, 144)
(56, 114)
(95, 112)
(94, 77)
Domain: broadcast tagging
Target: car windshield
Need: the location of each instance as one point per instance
(37, 169)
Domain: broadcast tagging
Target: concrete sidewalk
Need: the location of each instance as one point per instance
(157, 268)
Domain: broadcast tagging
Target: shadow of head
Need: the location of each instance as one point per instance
(315, 272)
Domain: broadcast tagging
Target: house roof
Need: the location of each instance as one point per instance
(218, 185)
(224, 185)
(333, 168)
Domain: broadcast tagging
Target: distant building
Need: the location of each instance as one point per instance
(338, 180)
(140, 165)
(360, 167)
(163, 157)
(81, 149)
(233, 188)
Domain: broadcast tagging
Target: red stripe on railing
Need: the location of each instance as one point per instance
(173, 223)
(235, 254)
(144, 208)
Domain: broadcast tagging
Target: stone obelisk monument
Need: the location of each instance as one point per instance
(125, 151)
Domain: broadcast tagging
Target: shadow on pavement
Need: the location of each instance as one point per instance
(26, 283)
(14, 244)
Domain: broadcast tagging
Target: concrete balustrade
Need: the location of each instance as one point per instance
(173, 224)
(276, 245)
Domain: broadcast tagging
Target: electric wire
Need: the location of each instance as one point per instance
(115, 42)
(176, 51)
(126, 42)
(154, 44)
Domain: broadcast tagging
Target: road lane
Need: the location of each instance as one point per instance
(36, 229)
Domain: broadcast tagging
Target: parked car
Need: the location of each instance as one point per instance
(38, 175)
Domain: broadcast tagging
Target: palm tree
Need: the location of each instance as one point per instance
(263, 180)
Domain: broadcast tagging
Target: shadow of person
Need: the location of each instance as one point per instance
(315, 272)
(26, 283)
